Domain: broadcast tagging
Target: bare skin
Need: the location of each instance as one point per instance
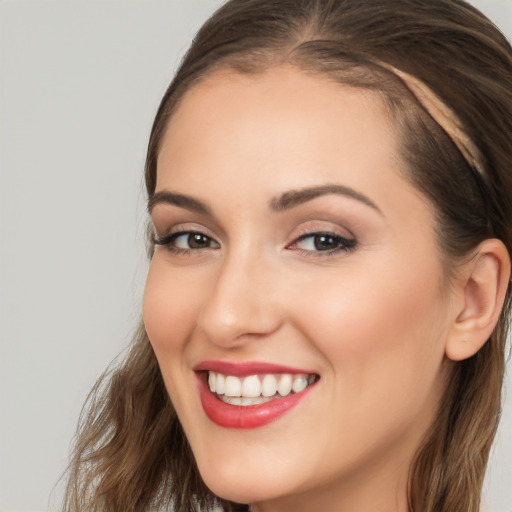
(366, 308)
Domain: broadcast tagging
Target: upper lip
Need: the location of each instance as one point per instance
(245, 368)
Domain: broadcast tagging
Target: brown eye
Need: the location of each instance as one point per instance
(192, 241)
(188, 241)
(198, 241)
(323, 242)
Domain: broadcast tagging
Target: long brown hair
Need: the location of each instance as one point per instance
(131, 453)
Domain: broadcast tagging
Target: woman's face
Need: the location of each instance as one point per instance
(294, 253)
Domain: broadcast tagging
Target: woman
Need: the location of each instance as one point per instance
(326, 309)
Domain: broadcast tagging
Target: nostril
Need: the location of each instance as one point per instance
(239, 307)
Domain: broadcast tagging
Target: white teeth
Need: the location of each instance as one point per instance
(250, 401)
(244, 401)
(256, 389)
(211, 382)
(251, 387)
(284, 386)
(300, 383)
(233, 386)
(233, 400)
(269, 385)
(220, 383)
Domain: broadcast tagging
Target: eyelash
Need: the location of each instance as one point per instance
(168, 240)
(342, 244)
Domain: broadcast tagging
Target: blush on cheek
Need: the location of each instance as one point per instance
(158, 308)
(373, 326)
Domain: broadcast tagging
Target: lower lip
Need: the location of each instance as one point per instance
(249, 416)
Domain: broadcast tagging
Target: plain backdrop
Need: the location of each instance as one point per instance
(80, 82)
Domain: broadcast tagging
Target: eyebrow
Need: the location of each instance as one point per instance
(294, 198)
(285, 201)
(180, 200)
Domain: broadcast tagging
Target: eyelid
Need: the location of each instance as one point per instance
(343, 244)
(184, 229)
(346, 240)
(321, 226)
(178, 234)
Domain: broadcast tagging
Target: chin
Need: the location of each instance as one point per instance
(249, 485)
(242, 490)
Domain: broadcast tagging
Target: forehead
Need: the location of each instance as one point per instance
(282, 118)
(236, 142)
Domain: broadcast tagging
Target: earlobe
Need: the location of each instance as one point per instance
(483, 284)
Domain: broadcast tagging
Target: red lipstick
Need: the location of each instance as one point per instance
(249, 416)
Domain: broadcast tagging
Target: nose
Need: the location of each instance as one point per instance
(242, 303)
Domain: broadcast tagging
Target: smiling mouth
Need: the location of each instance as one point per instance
(251, 394)
(257, 389)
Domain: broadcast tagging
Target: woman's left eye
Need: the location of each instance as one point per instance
(323, 242)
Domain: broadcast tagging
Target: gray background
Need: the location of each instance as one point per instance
(80, 82)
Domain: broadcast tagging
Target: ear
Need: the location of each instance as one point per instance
(480, 290)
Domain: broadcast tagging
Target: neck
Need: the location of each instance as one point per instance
(378, 488)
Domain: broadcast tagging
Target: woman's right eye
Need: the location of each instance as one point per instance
(187, 241)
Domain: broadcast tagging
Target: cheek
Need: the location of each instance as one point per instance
(171, 300)
(170, 314)
(381, 333)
